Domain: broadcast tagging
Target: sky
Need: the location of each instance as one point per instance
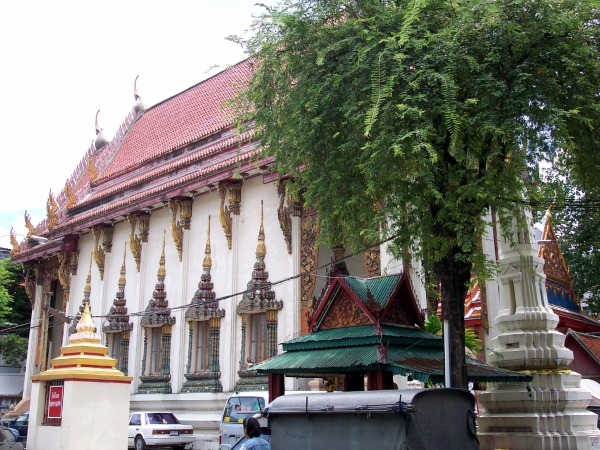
(61, 61)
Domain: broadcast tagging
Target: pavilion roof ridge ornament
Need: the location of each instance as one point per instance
(259, 296)
(203, 305)
(157, 312)
(117, 318)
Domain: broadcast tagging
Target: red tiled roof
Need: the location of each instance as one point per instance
(150, 191)
(183, 118)
(168, 167)
(591, 342)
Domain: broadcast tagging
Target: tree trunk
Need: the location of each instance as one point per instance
(454, 276)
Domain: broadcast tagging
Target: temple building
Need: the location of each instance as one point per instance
(194, 246)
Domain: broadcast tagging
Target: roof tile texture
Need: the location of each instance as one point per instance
(186, 117)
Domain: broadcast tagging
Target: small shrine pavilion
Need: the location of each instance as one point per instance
(368, 327)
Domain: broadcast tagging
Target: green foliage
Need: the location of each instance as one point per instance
(13, 349)
(433, 324)
(14, 309)
(14, 304)
(431, 109)
(576, 222)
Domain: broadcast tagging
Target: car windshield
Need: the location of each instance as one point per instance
(22, 419)
(161, 418)
(239, 408)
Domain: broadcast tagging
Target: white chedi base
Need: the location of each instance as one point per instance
(550, 416)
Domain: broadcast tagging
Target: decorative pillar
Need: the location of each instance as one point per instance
(271, 333)
(145, 352)
(549, 412)
(165, 365)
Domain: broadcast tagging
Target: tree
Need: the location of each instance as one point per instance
(576, 222)
(15, 310)
(430, 109)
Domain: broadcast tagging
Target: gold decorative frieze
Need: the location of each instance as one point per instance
(16, 247)
(107, 236)
(51, 209)
(135, 242)
(372, 258)
(71, 200)
(235, 198)
(309, 255)
(176, 228)
(144, 227)
(98, 252)
(225, 214)
(30, 228)
(91, 168)
(186, 212)
(285, 217)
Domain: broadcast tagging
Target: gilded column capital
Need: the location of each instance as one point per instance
(186, 212)
(135, 242)
(107, 236)
(144, 226)
(235, 198)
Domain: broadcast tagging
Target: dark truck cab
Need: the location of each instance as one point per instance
(412, 419)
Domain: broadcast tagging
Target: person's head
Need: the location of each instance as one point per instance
(251, 427)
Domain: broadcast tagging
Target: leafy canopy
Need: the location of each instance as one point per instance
(412, 118)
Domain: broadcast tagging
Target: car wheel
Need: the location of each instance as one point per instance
(140, 444)
(179, 447)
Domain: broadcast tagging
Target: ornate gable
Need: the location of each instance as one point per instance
(259, 296)
(558, 280)
(157, 312)
(203, 306)
(343, 311)
(117, 317)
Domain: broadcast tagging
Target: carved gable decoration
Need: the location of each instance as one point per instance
(344, 311)
(559, 287)
(402, 308)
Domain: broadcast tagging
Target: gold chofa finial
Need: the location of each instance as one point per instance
(261, 248)
(122, 277)
(207, 263)
(162, 272)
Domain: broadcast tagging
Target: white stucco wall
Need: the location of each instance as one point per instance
(95, 415)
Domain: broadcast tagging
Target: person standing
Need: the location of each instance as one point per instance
(252, 432)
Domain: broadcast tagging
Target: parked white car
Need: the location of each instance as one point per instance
(158, 429)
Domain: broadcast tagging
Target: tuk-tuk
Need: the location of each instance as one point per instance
(415, 419)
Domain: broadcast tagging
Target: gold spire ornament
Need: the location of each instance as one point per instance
(30, 228)
(91, 168)
(51, 209)
(16, 248)
(71, 200)
(261, 248)
(207, 263)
